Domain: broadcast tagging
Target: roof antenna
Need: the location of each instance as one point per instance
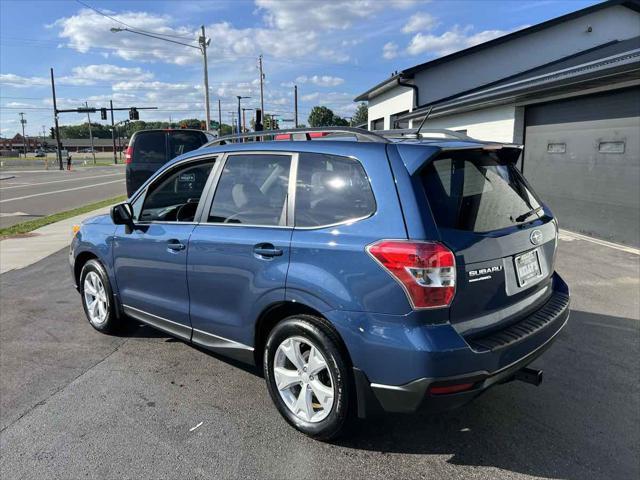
(423, 120)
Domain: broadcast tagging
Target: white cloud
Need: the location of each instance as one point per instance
(321, 80)
(81, 75)
(390, 50)
(18, 81)
(420, 22)
(451, 41)
(310, 97)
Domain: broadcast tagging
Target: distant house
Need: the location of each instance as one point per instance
(568, 89)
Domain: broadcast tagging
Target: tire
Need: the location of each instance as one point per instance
(101, 315)
(305, 404)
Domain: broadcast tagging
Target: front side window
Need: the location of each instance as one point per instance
(174, 197)
(477, 192)
(252, 190)
(331, 190)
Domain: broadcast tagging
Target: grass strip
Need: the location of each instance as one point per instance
(26, 227)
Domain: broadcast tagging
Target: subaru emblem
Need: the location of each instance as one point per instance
(536, 237)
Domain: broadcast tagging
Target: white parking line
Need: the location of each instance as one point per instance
(568, 235)
(58, 191)
(59, 181)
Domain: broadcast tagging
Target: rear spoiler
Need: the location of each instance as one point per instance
(415, 157)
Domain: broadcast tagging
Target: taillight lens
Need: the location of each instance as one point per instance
(426, 270)
(128, 155)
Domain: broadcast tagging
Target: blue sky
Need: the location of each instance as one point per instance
(332, 50)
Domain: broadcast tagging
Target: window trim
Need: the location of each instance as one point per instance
(203, 218)
(162, 173)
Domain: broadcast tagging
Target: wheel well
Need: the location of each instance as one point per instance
(273, 315)
(81, 259)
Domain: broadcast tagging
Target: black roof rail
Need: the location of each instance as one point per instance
(424, 133)
(301, 134)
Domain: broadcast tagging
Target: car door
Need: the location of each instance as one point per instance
(151, 261)
(239, 252)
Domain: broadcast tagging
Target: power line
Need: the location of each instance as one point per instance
(130, 26)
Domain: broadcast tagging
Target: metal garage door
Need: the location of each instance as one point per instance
(583, 156)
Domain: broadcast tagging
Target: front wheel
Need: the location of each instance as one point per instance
(97, 298)
(308, 377)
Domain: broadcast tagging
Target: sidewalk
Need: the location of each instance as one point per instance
(23, 251)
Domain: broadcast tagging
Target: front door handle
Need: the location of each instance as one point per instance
(267, 250)
(175, 245)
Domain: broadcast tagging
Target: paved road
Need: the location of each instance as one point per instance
(30, 194)
(78, 404)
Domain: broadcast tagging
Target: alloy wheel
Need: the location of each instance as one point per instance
(303, 379)
(95, 298)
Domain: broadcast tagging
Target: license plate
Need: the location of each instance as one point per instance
(528, 267)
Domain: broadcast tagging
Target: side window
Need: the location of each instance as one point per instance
(150, 147)
(174, 197)
(252, 190)
(331, 190)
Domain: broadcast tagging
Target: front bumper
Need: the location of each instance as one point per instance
(396, 364)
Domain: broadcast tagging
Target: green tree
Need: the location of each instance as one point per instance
(321, 117)
(361, 115)
(339, 121)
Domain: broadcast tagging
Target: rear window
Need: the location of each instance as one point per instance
(477, 192)
(183, 142)
(149, 147)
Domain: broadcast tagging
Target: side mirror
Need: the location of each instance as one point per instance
(122, 214)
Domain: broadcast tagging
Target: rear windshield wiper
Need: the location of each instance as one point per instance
(525, 215)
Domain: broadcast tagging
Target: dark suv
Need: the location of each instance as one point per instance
(148, 150)
(360, 272)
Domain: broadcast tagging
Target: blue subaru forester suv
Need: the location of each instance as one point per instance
(362, 272)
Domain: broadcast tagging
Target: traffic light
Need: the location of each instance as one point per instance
(52, 132)
(267, 122)
(133, 114)
(258, 126)
(103, 113)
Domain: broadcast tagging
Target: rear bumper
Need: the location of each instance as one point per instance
(394, 373)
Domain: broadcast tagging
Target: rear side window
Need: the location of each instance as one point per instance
(477, 192)
(183, 142)
(252, 190)
(331, 190)
(150, 147)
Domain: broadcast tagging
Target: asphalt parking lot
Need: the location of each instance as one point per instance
(78, 404)
(27, 194)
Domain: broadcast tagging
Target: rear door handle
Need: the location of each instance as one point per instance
(267, 250)
(175, 245)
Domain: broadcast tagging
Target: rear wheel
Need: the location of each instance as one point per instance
(97, 299)
(308, 377)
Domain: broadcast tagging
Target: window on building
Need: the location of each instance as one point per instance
(330, 190)
(377, 124)
(401, 124)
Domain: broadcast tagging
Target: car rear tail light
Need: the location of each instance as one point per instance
(447, 389)
(128, 155)
(426, 270)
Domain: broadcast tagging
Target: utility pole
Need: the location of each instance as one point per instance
(55, 118)
(240, 97)
(261, 84)
(295, 106)
(24, 140)
(93, 151)
(113, 134)
(203, 45)
(219, 119)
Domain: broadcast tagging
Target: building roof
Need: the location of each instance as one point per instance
(607, 64)
(410, 72)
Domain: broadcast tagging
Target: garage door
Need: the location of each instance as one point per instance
(583, 156)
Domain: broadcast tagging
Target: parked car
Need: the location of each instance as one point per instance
(40, 153)
(148, 150)
(361, 275)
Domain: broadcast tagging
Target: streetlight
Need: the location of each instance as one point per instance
(239, 97)
(203, 43)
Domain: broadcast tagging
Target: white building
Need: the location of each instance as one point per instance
(568, 89)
